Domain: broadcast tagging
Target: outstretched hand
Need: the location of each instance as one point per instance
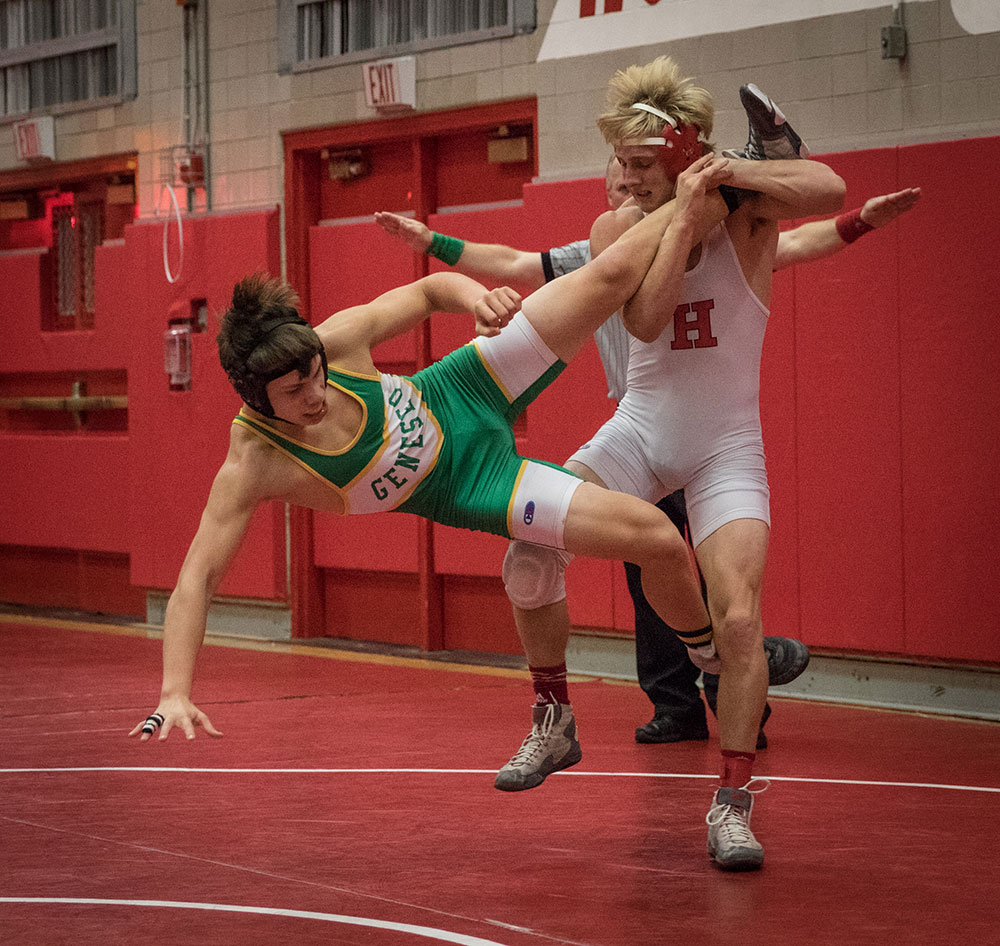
(878, 211)
(412, 232)
(176, 711)
(495, 309)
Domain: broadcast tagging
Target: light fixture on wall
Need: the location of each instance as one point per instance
(893, 39)
(177, 355)
(346, 165)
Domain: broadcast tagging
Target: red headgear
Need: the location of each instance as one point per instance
(679, 142)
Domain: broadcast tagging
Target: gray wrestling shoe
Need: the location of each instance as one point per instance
(786, 659)
(551, 745)
(731, 843)
(771, 137)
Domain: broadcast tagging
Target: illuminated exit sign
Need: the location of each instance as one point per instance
(391, 83)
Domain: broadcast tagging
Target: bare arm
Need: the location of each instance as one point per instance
(224, 521)
(821, 238)
(349, 335)
(493, 261)
(698, 208)
(787, 189)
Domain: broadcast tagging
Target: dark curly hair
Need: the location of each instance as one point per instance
(263, 337)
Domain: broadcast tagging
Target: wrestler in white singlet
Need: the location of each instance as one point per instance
(690, 416)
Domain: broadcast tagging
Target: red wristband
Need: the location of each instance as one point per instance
(850, 226)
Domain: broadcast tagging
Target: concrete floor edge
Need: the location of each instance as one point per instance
(969, 692)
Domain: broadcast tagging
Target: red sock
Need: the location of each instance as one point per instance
(737, 768)
(549, 684)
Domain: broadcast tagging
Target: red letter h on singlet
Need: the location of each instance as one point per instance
(701, 323)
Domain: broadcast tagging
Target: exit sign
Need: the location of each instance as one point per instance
(391, 83)
(34, 139)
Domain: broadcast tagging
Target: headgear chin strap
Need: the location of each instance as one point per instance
(679, 143)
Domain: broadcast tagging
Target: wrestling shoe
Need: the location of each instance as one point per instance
(786, 659)
(771, 137)
(731, 843)
(550, 746)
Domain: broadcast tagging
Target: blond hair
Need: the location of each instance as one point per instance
(660, 84)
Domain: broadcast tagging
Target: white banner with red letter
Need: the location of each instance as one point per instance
(585, 27)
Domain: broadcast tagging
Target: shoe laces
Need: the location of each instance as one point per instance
(734, 821)
(535, 740)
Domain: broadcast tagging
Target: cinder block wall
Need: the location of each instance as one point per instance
(827, 72)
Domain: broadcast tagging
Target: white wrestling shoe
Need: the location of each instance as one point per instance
(731, 843)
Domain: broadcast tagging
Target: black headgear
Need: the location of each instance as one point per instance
(251, 386)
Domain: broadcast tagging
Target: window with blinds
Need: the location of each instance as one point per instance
(325, 31)
(60, 52)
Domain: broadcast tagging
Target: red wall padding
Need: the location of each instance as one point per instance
(372, 605)
(61, 542)
(847, 386)
(949, 349)
(59, 577)
(59, 492)
(28, 348)
(139, 493)
(342, 275)
(880, 420)
(879, 404)
(57, 485)
(178, 439)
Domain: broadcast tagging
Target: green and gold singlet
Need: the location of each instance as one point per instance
(438, 444)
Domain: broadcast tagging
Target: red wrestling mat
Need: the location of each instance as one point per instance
(351, 802)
